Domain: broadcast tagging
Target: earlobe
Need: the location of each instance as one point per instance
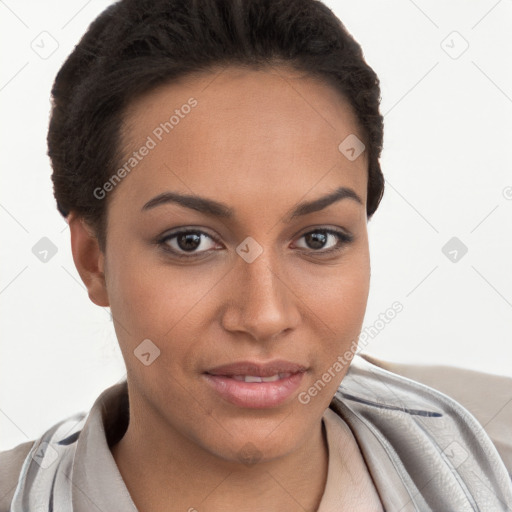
(89, 259)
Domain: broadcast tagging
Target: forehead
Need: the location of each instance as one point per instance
(231, 132)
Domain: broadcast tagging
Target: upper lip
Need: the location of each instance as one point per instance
(257, 369)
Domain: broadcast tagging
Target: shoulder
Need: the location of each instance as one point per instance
(486, 396)
(429, 437)
(11, 462)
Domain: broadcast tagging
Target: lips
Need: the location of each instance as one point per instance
(256, 385)
(247, 368)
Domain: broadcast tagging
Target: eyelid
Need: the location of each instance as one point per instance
(327, 228)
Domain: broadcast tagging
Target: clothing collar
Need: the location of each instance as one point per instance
(424, 451)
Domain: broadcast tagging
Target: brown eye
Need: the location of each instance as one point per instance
(318, 239)
(187, 241)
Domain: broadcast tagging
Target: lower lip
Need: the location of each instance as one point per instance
(255, 395)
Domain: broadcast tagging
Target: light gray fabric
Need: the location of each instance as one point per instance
(434, 446)
(486, 396)
(45, 479)
(424, 451)
(11, 462)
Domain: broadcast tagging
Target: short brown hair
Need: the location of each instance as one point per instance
(135, 45)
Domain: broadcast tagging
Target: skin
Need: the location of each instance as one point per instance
(261, 142)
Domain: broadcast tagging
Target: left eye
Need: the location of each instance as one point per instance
(186, 241)
(190, 241)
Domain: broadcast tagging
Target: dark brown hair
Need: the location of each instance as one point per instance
(135, 45)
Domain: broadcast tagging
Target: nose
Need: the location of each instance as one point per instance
(261, 301)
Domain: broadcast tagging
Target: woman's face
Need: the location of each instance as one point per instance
(261, 289)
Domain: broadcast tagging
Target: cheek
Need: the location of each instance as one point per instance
(341, 305)
(137, 296)
(148, 304)
(152, 300)
(339, 309)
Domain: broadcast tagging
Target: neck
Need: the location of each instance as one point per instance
(166, 471)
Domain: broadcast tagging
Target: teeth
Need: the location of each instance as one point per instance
(256, 378)
(272, 378)
(251, 378)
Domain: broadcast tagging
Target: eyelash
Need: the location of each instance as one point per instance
(343, 240)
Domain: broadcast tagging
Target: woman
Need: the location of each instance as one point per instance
(217, 163)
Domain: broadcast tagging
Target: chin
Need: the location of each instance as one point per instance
(250, 445)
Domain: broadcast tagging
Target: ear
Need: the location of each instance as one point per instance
(88, 258)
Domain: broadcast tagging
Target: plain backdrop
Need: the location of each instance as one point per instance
(440, 241)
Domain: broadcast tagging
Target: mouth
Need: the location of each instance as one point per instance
(254, 385)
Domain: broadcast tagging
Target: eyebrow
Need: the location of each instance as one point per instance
(220, 210)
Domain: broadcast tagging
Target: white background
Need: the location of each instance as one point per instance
(447, 163)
